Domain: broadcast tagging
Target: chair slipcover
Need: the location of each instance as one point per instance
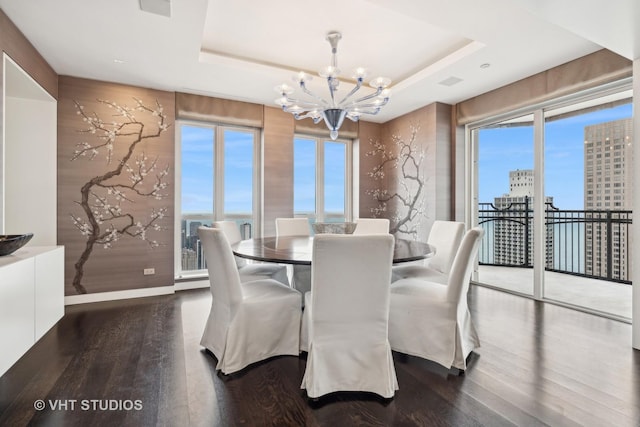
(347, 315)
(445, 238)
(432, 321)
(292, 227)
(301, 277)
(371, 226)
(249, 321)
(254, 271)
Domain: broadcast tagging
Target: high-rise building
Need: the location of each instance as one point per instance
(608, 154)
(189, 259)
(513, 227)
(193, 228)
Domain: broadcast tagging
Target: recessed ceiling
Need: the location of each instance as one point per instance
(241, 49)
(387, 43)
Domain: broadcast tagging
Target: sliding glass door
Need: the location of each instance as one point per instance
(552, 190)
(587, 173)
(505, 203)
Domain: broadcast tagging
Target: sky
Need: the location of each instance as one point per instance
(197, 169)
(500, 151)
(198, 166)
(505, 149)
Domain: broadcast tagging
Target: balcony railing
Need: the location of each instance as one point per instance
(589, 243)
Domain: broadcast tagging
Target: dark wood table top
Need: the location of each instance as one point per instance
(297, 250)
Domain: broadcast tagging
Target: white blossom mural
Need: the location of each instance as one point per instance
(122, 176)
(406, 203)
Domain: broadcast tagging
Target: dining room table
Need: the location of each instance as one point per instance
(297, 250)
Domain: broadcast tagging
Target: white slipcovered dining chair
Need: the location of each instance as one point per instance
(254, 271)
(371, 226)
(432, 321)
(292, 227)
(345, 322)
(249, 321)
(445, 238)
(301, 274)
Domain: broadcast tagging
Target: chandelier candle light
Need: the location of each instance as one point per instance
(332, 111)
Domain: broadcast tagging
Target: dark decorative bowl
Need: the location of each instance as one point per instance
(9, 243)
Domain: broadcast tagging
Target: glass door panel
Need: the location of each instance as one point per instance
(588, 193)
(505, 203)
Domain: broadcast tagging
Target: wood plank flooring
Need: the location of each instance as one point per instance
(539, 364)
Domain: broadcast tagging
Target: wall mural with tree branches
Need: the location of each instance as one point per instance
(117, 187)
(401, 159)
(406, 172)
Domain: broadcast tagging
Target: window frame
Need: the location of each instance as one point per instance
(320, 141)
(218, 185)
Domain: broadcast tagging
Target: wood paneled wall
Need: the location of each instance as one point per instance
(369, 134)
(277, 156)
(120, 266)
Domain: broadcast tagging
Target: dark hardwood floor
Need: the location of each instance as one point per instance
(539, 364)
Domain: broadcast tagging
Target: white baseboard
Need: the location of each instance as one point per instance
(191, 284)
(118, 295)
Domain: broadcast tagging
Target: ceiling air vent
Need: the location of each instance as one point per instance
(450, 81)
(159, 7)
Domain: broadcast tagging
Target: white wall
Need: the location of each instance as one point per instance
(30, 147)
(635, 261)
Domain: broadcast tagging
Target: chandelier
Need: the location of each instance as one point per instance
(333, 109)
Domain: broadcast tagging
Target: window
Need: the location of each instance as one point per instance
(217, 181)
(322, 179)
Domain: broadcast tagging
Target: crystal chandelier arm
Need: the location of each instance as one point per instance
(353, 91)
(317, 117)
(371, 110)
(365, 98)
(375, 104)
(313, 95)
(306, 105)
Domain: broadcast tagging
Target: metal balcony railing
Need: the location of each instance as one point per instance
(589, 243)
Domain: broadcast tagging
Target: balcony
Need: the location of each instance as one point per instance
(587, 262)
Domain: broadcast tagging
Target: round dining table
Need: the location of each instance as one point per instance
(297, 250)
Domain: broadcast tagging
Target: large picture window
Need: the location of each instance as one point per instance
(217, 181)
(322, 179)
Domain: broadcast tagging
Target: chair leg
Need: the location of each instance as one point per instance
(455, 371)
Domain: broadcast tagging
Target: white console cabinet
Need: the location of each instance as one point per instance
(31, 299)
